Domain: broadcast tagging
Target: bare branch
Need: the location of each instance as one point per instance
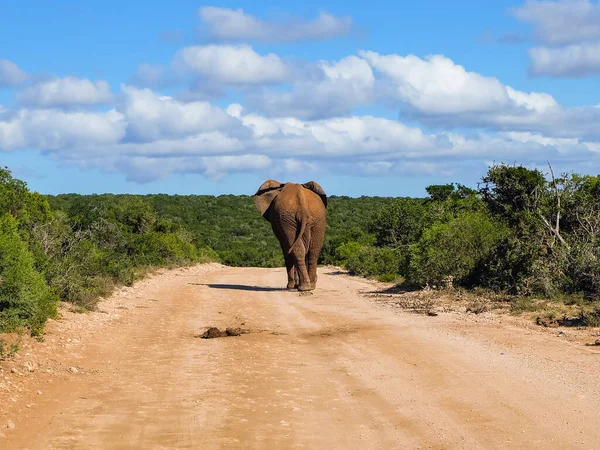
(553, 231)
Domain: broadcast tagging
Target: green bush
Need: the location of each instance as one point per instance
(455, 249)
(400, 223)
(25, 298)
(347, 252)
(374, 261)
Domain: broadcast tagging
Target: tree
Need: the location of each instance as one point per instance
(440, 192)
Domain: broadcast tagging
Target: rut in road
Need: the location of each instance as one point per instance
(328, 369)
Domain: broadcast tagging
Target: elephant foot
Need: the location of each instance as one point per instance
(291, 286)
(306, 287)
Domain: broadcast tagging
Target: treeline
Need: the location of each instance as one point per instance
(232, 227)
(518, 232)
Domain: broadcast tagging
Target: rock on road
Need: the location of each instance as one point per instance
(331, 369)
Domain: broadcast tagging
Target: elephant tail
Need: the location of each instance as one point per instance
(302, 229)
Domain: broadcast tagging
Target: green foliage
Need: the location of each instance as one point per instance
(374, 261)
(514, 193)
(15, 199)
(519, 233)
(348, 252)
(440, 192)
(25, 298)
(99, 241)
(79, 249)
(457, 249)
(400, 223)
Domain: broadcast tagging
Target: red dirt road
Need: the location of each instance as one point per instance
(330, 369)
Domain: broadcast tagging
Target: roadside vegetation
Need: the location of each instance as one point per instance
(530, 238)
(78, 251)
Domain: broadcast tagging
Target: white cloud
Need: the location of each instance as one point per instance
(66, 91)
(570, 32)
(232, 64)
(216, 167)
(235, 25)
(535, 101)
(51, 129)
(234, 110)
(333, 91)
(402, 168)
(561, 22)
(151, 136)
(437, 86)
(152, 117)
(11, 74)
(527, 137)
(571, 61)
(352, 136)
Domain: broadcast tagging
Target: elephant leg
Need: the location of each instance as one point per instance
(291, 272)
(299, 254)
(312, 268)
(312, 256)
(296, 277)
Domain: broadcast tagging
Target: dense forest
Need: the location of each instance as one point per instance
(519, 232)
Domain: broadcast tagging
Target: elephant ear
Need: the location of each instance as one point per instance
(317, 189)
(266, 194)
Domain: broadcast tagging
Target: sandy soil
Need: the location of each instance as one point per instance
(330, 369)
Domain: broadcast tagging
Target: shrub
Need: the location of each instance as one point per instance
(400, 223)
(25, 298)
(454, 249)
(374, 261)
(347, 252)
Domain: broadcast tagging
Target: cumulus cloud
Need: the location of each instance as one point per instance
(152, 136)
(570, 33)
(52, 129)
(151, 117)
(66, 91)
(437, 86)
(575, 60)
(561, 22)
(235, 25)
(232, 64)
(11, 74)
(313, 126)
(331, 90)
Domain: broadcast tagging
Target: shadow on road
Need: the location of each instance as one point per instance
(336, 272)
(396, 289)
(240, 287)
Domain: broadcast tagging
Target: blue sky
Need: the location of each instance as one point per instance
(367, 98)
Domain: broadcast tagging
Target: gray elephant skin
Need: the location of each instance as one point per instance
(298, 216)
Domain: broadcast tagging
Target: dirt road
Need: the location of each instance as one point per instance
(332, 369)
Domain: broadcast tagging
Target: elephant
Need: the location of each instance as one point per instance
(298, 217)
